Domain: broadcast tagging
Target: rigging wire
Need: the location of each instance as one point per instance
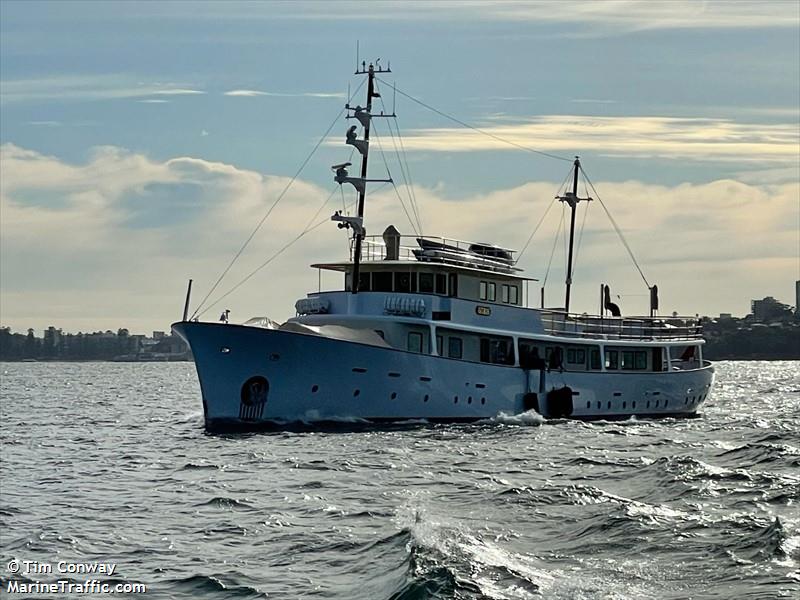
(616, 228)
(580, 239)
(553, 251)
(274, 204)
(468, 126)
(399, 197)
(308, 228)
(404, 170)
(535, 229)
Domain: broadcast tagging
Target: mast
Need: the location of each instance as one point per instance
(364, 117)
(572, 199)
(362, 193)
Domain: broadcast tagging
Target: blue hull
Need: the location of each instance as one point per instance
(252, 376)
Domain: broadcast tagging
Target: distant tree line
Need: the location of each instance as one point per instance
(731, 339)
(100, 345)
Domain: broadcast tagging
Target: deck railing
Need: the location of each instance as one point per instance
(621, 328)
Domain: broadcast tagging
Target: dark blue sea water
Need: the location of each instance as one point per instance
(110, 462)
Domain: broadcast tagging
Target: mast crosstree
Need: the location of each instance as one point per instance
(572, 199)
(364, 116)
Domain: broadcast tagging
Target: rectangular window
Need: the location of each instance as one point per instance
(513, 295)
(576, 356)
(491, 296)
(529, 357)
(627, 360)
(441, 284)
(498, 351)
(612, 360)
(453, 284)
(382, 282)
(640, 360)
(454, 347)
(594, 359)
(364, 281)
(414, 341)
(402, 282)
(426, 283)
(439, 345)
(482, 295)
(413, 277)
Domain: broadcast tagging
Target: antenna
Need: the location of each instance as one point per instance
(357, 42)
(394, 97)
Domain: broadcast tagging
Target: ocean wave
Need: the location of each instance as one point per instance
(226, 503)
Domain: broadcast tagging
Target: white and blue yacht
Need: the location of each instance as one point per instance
(439, 329)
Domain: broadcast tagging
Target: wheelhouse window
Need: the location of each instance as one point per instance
(364, 281)
(426, 283)
(382, 282)
(491, 294)
(612, 360)
(414, 341)
(482, 295)
(504, 294)
(441, 284)
(453, 279)
(455, 347)
(439, 345)
(402, 282)
(513, 297)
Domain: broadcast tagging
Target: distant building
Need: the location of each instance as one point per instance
(725, 316)
(768, 309)
(157, 335)
(797, 298)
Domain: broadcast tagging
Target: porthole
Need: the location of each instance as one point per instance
(455, 400)
(666, 402)
(693, 398)
(469, 400)
(425, 399)
(624, 405)
(356, 393)
(314, 389)
(648, 404)
(483, 400)
(609, 404)
(393, 396)
(633, 404)
(598, 405)
(589, 404)
(656, 403)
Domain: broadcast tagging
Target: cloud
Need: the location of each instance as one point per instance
(256, 93)
(594, 18)
(86, 87)
(111, 242)
(666, 137)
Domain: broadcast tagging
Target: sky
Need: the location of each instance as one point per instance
(142, 143)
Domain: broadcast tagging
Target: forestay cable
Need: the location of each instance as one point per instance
(308, 228)
(272, 207)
